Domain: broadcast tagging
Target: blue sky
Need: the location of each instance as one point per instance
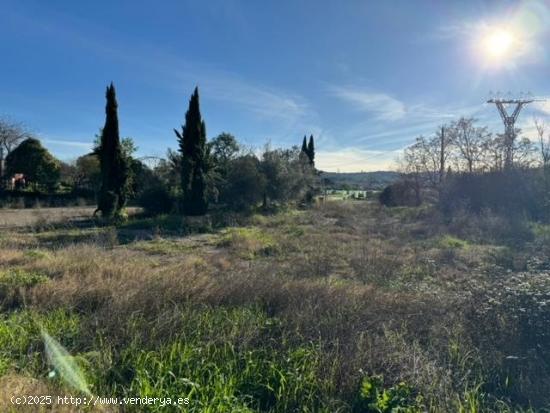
(364, 77)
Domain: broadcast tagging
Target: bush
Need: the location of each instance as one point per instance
(512, 193)
(156, 200)
(401, 193)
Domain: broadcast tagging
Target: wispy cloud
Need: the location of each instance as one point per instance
(268, 103)
(77, 144)
(382, 106)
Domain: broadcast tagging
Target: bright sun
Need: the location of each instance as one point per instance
(499, 43)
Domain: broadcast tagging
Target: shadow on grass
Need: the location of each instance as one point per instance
(138, 227)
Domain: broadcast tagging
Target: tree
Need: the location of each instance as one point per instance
(304, 145)
(544, 144)
(245, 183)
(289, 176)
(469, 140)
(427, 158)
(493, 153)
(194, 161)
(223, 148)
(88, 173)
(67, 174)
(11, 134)
(169, 169)
(35, 162)
(523, 152)
(544, 152)
(417, 167)
(114, 166)
(311, 151)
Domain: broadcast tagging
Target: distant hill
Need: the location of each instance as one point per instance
(359, 180)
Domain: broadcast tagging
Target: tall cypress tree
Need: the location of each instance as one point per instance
(114, 165)
(311, 151)
(304, 155)
(194, 165)
(304, 145)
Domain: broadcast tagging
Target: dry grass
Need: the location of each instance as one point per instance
(375, 291)
(10, 218)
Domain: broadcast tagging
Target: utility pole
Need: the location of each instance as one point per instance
(509, 124)
(442, 148)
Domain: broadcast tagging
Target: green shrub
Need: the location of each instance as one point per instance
(376, 398)
(448, 241)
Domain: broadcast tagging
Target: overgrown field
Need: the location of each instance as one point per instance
(346, 307)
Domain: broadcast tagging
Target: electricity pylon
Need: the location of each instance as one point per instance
(509, 124)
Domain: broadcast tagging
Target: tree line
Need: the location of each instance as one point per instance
(200, 175)
(464, 165)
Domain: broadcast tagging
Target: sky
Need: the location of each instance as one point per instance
(364, 77)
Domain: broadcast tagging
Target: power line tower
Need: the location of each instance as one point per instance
(509, 123)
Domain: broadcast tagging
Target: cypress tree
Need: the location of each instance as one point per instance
(194, 165)
(114, 165)
(304, 145)
(304, 156)
(311, 151)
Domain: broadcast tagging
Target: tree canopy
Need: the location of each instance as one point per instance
(35, 162)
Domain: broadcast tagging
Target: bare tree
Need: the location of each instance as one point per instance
(523, 152)
(544, 151)
(544, 143)
(493, 153)
(423, 163)
(412, 165)
(469, 141)
(428, 157)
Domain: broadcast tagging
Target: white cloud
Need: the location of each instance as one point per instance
(356, 160)
(542, 107)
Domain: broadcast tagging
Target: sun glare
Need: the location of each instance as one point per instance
(499, 43)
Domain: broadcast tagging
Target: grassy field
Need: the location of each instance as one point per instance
(346, 307)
